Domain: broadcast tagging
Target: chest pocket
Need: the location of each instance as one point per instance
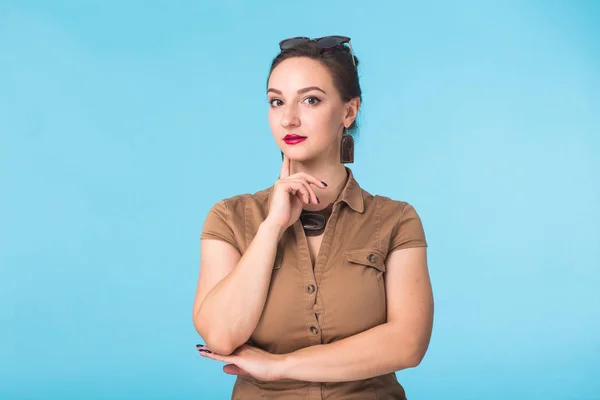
(364, 278)
(367, 257)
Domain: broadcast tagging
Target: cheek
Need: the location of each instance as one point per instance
(318, 117)
(322, 120)
(273, 120)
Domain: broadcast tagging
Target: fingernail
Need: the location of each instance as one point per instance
(324, 183)
(204, 351)
(199, 345)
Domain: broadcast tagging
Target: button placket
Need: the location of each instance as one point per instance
(305, 265)
(327, 242)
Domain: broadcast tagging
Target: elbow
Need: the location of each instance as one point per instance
(413, 355)
(215, 341)
(413, 358)
(220, 346)
(406, 361)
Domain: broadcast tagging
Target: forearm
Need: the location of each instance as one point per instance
(231, 310)
(377, 351)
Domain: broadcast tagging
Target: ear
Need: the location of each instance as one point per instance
(351, 111)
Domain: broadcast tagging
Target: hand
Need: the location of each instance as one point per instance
(249, 360)
(290, 193)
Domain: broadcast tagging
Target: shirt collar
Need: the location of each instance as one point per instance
(350, 194)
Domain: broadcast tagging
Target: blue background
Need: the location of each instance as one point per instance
(122, 123)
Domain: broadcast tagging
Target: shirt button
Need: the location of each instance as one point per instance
(371, 258)
(311, 288)
(314, 329)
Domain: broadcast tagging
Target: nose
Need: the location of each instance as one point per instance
(289, 117)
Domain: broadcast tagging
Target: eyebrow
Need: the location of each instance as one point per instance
(306, 89)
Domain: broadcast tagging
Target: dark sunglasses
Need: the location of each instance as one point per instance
(324, 43)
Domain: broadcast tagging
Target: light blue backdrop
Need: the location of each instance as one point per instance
(121, 123)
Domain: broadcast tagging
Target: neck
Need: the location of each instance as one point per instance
(334, 174)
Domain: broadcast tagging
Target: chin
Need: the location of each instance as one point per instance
(301, 156)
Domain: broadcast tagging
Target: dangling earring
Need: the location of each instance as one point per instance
(347, 148)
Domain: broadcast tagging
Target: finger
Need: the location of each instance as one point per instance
(309, 179)
(214, 356)
(301, 190)
(233, 369)
(308, 188)
(285, 167)
(295, 188)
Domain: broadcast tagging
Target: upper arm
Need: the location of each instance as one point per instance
(219, 251)
(408, 286)
(217, 260)
(408, 290)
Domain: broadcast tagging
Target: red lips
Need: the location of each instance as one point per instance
(293, 136)
(293, 139)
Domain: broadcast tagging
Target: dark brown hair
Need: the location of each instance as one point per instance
(338, 62)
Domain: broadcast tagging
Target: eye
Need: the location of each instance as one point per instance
(275, 102)
(312, 100)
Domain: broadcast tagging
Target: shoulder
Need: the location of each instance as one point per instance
(237, 204)
(402, 222)
(392, 208)
(233, 218)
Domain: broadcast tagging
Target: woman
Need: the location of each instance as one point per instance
(313, 288)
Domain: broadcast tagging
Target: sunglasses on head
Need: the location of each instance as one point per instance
(324, 43)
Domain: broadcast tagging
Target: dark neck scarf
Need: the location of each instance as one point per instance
(314, 222)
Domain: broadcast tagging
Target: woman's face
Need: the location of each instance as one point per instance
(304, 102)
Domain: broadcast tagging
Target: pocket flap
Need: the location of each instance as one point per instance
(370, 257)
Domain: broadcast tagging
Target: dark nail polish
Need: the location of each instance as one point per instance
(199, 345)
(324, 183)
(205, 351)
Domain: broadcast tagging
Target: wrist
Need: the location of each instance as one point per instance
(285, 365)
(273, 226)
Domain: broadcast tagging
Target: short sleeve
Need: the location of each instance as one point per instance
(408, 232)
(217, 224)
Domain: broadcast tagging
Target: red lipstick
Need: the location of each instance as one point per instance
(293, 139)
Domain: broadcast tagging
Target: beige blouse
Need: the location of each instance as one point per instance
(341, 295)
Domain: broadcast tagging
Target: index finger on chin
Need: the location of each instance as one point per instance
(285, 167)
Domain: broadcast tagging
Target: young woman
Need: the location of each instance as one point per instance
(314, 288)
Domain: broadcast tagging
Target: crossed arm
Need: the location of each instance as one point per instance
(398, 344)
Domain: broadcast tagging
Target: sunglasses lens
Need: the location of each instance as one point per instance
(289, 43)
(331, 41)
